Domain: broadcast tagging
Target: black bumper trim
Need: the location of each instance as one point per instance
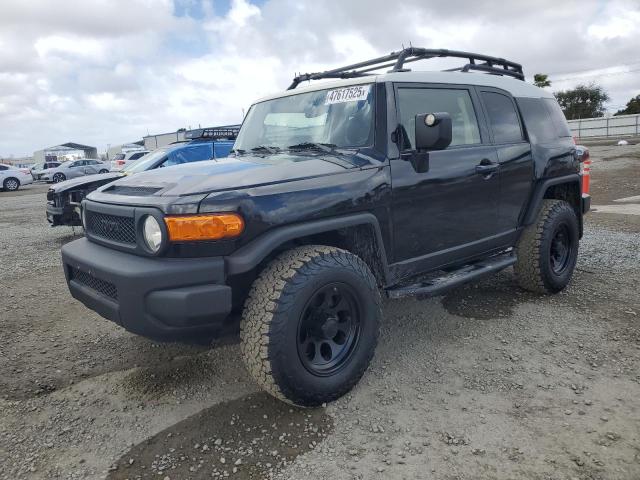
(159, 298)
(586, 203)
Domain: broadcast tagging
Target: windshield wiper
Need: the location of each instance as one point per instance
(266, 149)
(238, 151)
(323, 147)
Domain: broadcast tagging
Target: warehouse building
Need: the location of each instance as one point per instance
(151, 142)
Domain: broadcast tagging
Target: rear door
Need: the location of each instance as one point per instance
(514, 156)
(450, 211)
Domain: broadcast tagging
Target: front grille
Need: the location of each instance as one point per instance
(132, 191)
(101, 286)
(111, 227)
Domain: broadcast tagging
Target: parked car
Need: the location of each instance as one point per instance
(73, 169)
(121, 160)
(401, 183)
(63, 199)
(40, 168)
(11, 178)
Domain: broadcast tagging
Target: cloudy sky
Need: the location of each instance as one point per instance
(104, 72)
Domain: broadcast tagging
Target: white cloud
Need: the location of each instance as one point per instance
(109, 71)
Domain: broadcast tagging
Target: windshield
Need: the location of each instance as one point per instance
(146, 162)
(119, 156)
(340, 117)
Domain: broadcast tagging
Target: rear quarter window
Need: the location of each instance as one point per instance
(557, 117)
(537, 120)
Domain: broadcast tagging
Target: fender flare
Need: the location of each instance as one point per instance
(538, 195)
(250, 255)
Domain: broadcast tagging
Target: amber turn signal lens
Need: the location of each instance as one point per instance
(204, 227)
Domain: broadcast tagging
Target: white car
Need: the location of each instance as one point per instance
(11, 177)
(121, 160)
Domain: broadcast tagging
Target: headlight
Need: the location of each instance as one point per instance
(152, 233)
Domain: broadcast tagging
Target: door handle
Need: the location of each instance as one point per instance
(486, 167)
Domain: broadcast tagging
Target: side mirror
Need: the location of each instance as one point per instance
(433, 131)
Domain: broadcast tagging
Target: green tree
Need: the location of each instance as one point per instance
(583, 101)
(633, 106)
(541, 80)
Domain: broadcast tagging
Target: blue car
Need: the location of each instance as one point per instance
(64, 198)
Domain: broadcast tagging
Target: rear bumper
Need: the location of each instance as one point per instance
(160, 298)
(586, 203)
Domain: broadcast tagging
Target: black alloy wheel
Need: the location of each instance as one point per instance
(561, 249)
(329, 329)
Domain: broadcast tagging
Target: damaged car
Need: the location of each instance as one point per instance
(64, 198)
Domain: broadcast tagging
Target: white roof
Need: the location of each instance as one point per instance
(516, 87)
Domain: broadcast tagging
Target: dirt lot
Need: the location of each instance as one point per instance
(487, 382)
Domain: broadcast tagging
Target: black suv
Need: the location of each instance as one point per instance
(405, 183)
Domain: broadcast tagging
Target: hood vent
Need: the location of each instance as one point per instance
(132, 191)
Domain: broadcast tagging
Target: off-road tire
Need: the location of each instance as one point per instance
(273, 312)
(59, 177)
(11, 184)
(533, 266)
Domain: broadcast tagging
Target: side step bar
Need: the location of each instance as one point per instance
(431, 287)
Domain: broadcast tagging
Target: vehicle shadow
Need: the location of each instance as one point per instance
(249, 437)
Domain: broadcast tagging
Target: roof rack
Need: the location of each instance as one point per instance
(216, 133)
(397, 60)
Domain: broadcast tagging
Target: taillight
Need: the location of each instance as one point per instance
(120, 162)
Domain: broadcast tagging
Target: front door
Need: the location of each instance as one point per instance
(449, 212)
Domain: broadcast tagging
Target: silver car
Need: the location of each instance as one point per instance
(11, 178)
(73, 169)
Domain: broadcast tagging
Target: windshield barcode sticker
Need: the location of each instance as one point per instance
(348, 94)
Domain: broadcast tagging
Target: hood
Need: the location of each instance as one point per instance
(233, 173)
(99, 179)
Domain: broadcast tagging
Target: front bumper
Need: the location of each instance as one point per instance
(67, 214)
(160, 298)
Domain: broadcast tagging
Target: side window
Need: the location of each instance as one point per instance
(456, 102)
(188, 154)
(136, 156)
(503, 118)
(2, 167)
(558, 118)
(537, 120)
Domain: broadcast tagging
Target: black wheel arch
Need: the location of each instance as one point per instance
(358, 233)
(566, 187)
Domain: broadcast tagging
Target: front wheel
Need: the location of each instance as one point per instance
(547, 251)
(59, 177)
(11, 184)
(310, 324)
(103, 171)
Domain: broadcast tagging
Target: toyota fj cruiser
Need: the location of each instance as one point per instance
(405, 183)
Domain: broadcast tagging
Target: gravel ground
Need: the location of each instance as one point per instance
(486, 382)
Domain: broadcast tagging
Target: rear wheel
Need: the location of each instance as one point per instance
(59, 177)
(103, 170)
(310, 324)
(11, 184)
(548, 250)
